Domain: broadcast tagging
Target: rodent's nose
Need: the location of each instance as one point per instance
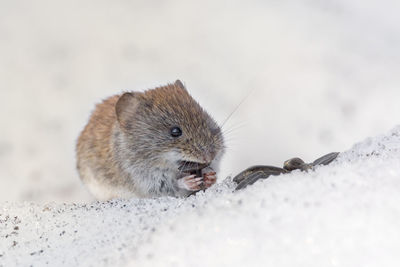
(206, 155)
(207, 158)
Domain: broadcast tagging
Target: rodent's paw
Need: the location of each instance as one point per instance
(209, 179)
(191, 183)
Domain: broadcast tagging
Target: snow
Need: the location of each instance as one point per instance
(343, 214)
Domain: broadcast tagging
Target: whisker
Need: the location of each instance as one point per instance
(233, 129)
(237, 107)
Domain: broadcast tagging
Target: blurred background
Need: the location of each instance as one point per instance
(319, 76)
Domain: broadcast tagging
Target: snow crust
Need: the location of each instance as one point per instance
(344, 214)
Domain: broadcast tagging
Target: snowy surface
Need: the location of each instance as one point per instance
(323, 74)
(344, 214)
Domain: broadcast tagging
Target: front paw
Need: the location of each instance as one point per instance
(209, 179)
(191, 183)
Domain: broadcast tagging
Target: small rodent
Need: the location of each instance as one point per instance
(149, 144)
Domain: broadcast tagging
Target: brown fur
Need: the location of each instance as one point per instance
(94, 146)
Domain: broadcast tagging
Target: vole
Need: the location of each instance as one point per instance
(149, 144)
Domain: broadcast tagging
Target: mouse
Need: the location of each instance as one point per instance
(159, 142)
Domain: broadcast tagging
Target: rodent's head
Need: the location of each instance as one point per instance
(166, 123)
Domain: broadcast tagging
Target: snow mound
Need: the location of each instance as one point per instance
(344, 214)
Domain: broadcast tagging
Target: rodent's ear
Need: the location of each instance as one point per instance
(179, 84)
(125, 109)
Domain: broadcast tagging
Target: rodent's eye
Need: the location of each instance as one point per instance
(176, 131)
